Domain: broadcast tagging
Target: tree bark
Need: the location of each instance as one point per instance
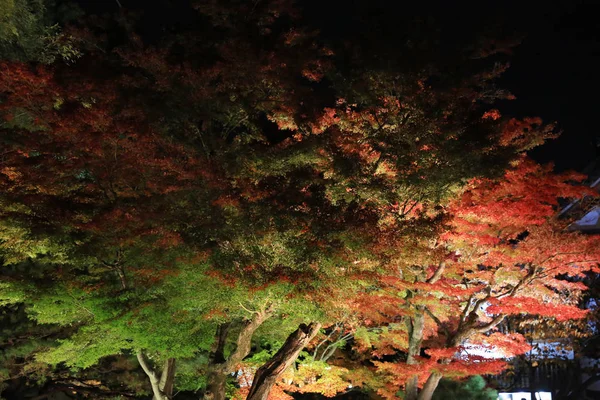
(415, 338)
(216, 384)
(219, 367)
(162, 387)
(411, 388)
(430, 386)
(216, 376)
(267, 375)
(167, 378)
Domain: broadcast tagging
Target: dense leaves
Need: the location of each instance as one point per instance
(187, 199)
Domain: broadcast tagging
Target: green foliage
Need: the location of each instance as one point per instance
(472, 389)
(10, 294)
(62, 306)
(27, 33)
(19, 245)
(188, 378)
(20, 27)
(267, 349)
(86, 347)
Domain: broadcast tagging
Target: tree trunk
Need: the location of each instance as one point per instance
(216, 385)
(415, 338)
(167, 378)
(217, 377)
(430, 386)
(219, 368)
(267, 375)
(162, 387)
(411, 388)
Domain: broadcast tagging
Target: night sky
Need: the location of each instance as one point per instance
(555, 74)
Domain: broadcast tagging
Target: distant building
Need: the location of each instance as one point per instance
(588, 208)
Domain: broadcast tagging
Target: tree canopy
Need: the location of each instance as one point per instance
(206, 196)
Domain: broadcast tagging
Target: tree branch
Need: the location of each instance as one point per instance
(432, 382)
(244, 339)
(491, 325)
(322, 342)
(437, 321)
(144, 364)
(467, 310)
(247, 310)
(267, 375)
(438, 273)
(329, 350)
(167, 377)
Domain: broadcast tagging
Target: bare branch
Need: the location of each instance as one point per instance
(467, 310)
(329, 350)
(528, 278)
(559, 254)
(325, 340)
(247, 310)
(481, 301)
(144, 364)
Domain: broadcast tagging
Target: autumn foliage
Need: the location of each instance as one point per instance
(192, 199)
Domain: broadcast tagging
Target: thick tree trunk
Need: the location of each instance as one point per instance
(267, 375)
(411, 388)
(217, 377)
(216, 386)
(430, 386)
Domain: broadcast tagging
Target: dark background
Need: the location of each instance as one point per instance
(555, 74)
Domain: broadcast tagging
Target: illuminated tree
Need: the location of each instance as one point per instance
(30, 30)
(442, 298)
(190, 200)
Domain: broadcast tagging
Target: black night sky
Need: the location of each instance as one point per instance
(554, 74)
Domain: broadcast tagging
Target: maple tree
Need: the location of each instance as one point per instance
(90, 185)
(499, 265)
(181, 203)
(437, 311)
(103, 248)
